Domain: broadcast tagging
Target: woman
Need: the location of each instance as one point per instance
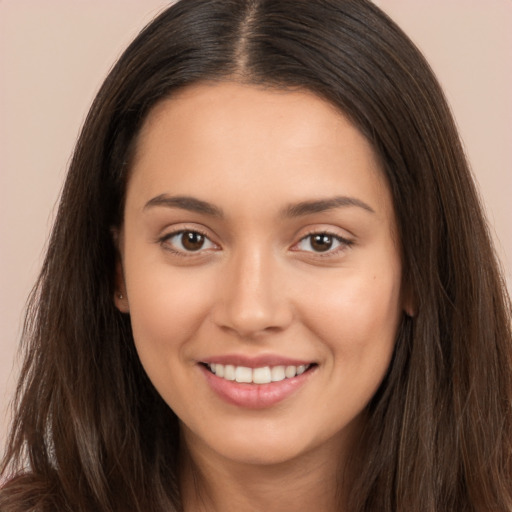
(270, 285)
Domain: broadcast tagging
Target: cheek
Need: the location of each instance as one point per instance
(166, 309)
(356, 316)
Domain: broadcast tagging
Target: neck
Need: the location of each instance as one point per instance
(212, 483)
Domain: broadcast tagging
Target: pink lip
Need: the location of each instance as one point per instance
(255, 396)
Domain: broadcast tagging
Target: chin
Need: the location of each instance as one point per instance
(260, 455)
(266, 446)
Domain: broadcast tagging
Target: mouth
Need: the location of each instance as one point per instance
(257, 386)
(259, 375)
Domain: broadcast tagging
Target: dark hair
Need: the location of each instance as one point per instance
(91, 433)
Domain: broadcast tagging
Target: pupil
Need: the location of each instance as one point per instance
(192, 241)
(321, 243)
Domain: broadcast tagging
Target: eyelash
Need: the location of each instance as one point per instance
(164, 242)
(344, 243)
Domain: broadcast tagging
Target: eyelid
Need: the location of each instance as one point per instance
(164, 239)
(344, 242)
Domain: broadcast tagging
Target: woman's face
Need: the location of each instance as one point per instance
(259, 244)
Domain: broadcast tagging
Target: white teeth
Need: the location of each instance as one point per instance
(262, 375)
(243, 374)
(277, 373)
(229, 372)
(290, 371)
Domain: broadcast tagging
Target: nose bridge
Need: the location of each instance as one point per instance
(252, 301)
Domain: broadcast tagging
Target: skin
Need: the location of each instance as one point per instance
(258, 286)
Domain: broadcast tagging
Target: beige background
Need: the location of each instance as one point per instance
(55, 53)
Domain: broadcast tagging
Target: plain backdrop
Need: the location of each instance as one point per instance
(54, 55)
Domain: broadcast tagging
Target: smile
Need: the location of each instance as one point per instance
(256, 385)
(261, 375)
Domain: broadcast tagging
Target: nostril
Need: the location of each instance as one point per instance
(251, 321)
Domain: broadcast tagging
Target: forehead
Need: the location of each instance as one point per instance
(224, 112)
(228, 136)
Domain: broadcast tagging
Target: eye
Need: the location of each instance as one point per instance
(322, 243)
(187, 241)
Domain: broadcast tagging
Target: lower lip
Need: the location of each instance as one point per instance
(255, 396)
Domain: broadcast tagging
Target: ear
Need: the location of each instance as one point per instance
(409, 302)
(120, 296)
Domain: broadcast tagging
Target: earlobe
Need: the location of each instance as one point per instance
(409, 302)
(410, 308)
(120, 295)
(409, 311)
(121, 302)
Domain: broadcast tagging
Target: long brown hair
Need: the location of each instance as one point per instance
(91, 433)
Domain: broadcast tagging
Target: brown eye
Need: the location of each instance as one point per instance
(183, 242)
(321, 242)
(192, 241)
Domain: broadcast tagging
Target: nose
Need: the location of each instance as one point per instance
(252, 295)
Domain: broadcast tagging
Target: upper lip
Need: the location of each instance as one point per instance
(255, 361)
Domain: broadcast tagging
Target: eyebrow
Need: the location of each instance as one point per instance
(188, 203)
(303, 208)
(323, 205)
